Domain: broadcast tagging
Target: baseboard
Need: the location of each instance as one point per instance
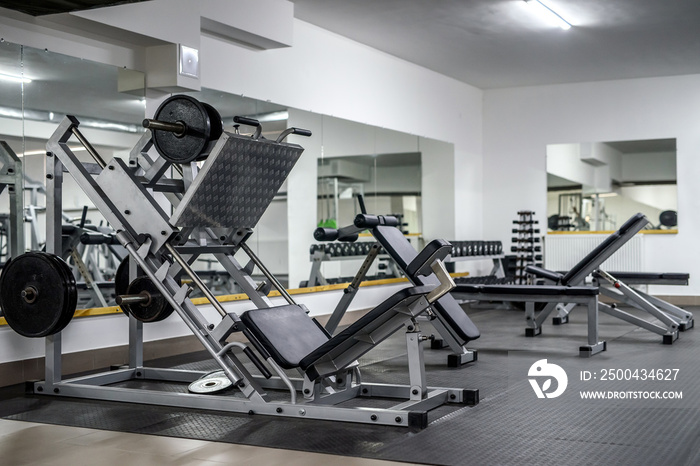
(15, 372)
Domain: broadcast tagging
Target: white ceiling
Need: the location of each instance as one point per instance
(502, 43)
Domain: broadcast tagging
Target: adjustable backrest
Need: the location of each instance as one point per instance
(604, 250)
(401, 251)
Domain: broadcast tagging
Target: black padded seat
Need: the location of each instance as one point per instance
(647, 276)
(380, 313)
(294, 339)
(403, 254)
(286, 332)
(528, 290)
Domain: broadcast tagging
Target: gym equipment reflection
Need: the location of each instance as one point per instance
(595, 186)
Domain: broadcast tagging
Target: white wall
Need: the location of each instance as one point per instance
(328, 74)
(519, 123)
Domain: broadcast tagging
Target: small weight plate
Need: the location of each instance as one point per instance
(50, 294)
(156, 309)
(210, 384)
(182, 148)
(121, 280)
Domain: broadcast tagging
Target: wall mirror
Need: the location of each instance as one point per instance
(597, 186)
(37, 89)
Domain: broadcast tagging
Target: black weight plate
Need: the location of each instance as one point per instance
(154, 311)
(71, 290)
(121, 280)
(188, 147)
(217, 125)
(56, 294)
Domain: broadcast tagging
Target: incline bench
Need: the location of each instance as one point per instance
(671, 318)
(448, 318)
(293, 340)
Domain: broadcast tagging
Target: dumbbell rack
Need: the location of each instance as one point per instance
(343, 251)
(526, 246)
(233, 187)
(479, 250)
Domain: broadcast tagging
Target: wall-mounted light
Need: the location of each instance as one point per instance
(547, 13)
(14, 79)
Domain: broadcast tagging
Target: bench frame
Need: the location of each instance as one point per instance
(671, 319)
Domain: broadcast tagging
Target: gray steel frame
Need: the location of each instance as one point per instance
(12, 178)
(120, 193)
(535, 320)
(672, 319)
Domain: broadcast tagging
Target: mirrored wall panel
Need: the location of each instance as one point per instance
(38, 89)
(597, 186)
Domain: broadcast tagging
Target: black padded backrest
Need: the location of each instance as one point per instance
(604, 250)
(436, 249)
(396, 244)
(286, 332)
(636, 222)
(403, 254)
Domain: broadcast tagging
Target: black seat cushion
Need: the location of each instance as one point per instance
(450, 311)
(286, 332)
(385, 309)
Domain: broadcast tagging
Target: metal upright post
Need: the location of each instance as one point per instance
(54, 223)
(135, 328)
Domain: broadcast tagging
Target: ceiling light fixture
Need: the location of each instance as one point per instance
(43, 151)
(548, 13)
(14, 79)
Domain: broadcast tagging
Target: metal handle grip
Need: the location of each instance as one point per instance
(325, 234)
(246, 121)
(258, 363)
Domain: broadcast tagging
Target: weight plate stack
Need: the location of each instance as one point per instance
(38, 294)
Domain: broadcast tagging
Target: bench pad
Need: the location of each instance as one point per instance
(528, 290)
(640, 276)
(286, 332)
(449, 310)
(365, 324)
